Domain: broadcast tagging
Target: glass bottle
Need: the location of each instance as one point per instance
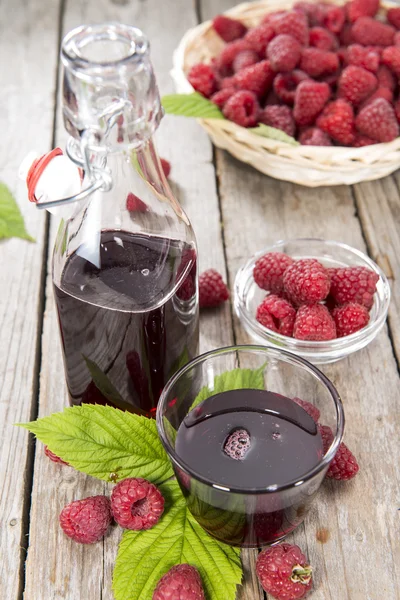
(125, 260)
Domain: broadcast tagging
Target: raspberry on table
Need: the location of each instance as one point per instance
(386, 78)
(284, 53)
(369, 32)
(221, 98)
(310, 408)
(284, 572)
(53, 457)
(306, 281)
(309, 101)
(361, 8)
(181, 582)
(378, 121)
(323, 39)
(337, 120)
(242, 108)
(244, 59)
(293, 23)
(280, 117)
(136, 504)
(313, 136)
(256, 78)
(280, 310)
(353, 284)
(344, 466)
(228, 29)
(393, 16)
(356, 84)
(361, 56)
(269, 269)
(212, 289)
(381, 92)
(259, 37)
(203, 79)
(135, 204)
(391, 59)
(86, 521)
(237, 444)
(316, 62)
(228, 54)
(362, 140)
(166, 166)
(285, 84)
(314, 323)
(350, 318)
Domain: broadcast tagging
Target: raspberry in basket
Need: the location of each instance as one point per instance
(228, 54)
(337, 120)
(212, 289)
(361, 8)
(283, 572)
(285, 84)
(86, 521)
(332, 17)
(316, 62)
(259, 37)
(284, 53)
(353, 284)
(356, 84)
(393, 16)
(228, 29)
(368, 58)
(277, 314)
(244, 59)
(368, 32)
(203, 79)
(182, 582)
(293, 23)
(313, 136)
(391, 59)
(269, 269)
(136, 504)
(221, 98)
(323, 39)
(256, 78)
(314, 323)
(243, 109)
(350, 318)
(280, 117)
(309, 101)
(362, 140)
(386, 78)
(378, 121)
(382, 92)
(306, 281)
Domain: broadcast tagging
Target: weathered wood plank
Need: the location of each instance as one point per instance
(70, 569)
(26, 121)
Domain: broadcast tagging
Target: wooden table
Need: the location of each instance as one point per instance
(235, 211)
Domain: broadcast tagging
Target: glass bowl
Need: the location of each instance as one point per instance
(256, 500)
(247, 297)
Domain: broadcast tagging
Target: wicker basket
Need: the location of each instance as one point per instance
(311, 166)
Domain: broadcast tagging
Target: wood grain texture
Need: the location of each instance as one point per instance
(26, 122)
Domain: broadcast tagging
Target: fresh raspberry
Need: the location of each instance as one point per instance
(259, 37)
(227, 83)
(271, 17)
(344, 466)
(237, 444)
(356, 84)
(314, 323)
(279, 117)
(283, 572)
(310, 408)
(281, 311)
(393, 16)
(318, 62)
(362, 56)
(381, 92)
(332, 17)
(212, 289)
(182, 582)
(228, 29)
(256, 78)
(310, 9)
(386, 78)
(337, 120)
(269, 269)
(228, 54)
(353, 284)
(284, 53)
(285, 84)
(306, 281)
(368, 32)
(244, 59)
(378, 121)
(242, 108)
(350, 318)
(136, 504)
(293, 23)
(135, 204)
(362, 140)
(86, 521)
(310, 99)
(53, 457)
(166, 166)
(313, 136)
(391, 58)
(203, 79)
(361, 8)
(323, 39)
(221, 98)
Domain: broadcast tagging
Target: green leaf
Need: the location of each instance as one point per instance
(145, 556)
(11, 220)
(108, 390)
(191, 105)
(273, 134)
(105, 442)
(233, 380)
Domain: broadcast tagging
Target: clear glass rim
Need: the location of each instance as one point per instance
(300, 362)
(292, 343)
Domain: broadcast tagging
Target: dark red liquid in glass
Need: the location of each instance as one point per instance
(125, 328)
(284, 445)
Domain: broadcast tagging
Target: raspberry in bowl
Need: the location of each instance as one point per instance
(319, 299)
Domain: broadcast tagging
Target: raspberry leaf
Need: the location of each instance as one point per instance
(11, 220)
(191, 105)
(145, 556)
(105, 442)
(273, 134)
